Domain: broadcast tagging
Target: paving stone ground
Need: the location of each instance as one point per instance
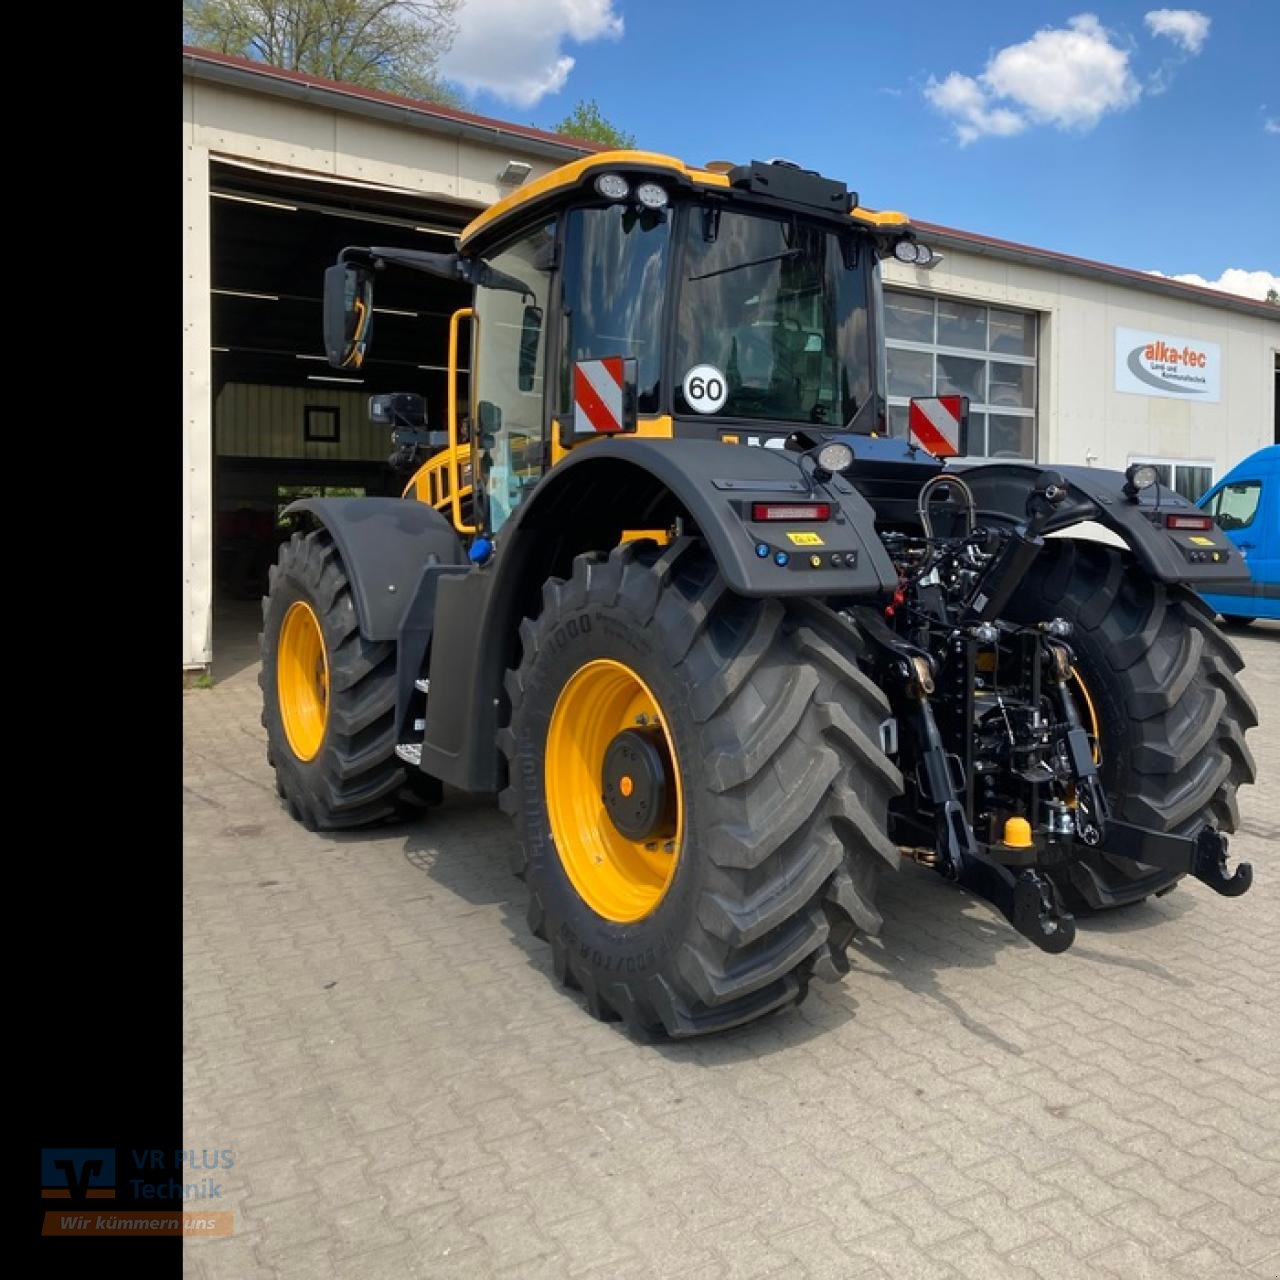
(372, 1031)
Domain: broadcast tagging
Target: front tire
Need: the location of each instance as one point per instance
(328, 699)
(784, 791)
(1172, 714)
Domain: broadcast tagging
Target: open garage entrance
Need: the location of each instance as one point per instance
(285, 424)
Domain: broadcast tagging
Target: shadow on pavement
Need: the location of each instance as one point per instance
(930, 927)
(927, 930)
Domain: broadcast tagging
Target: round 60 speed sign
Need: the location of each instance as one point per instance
(705, 389)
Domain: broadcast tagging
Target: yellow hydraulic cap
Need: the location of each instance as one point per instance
(1017, 833)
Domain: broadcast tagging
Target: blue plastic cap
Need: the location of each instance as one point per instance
(781, 558)
(762, 550)
(480, 550)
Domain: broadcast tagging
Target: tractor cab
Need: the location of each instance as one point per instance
(629, 294)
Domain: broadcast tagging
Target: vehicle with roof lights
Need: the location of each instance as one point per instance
(725, 648)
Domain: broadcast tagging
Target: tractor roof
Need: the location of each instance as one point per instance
(570, 177)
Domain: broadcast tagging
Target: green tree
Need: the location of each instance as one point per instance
(383, 44)
(1273, 296)
(585, 121)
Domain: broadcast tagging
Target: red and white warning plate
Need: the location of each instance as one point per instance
(936, 423)
(597, 396)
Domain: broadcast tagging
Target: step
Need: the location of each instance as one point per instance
(422, 686)
(411, 752)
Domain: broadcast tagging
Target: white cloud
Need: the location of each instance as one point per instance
(1248, 284)
(1186, 27)
(1272, 125)
(515, 48)
(970, 108)
(1068, 77)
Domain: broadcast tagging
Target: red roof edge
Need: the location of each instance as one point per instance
(358, 91)
(1130, 273)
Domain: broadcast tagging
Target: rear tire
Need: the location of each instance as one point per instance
(1172, 714)
(354, 779)
(784, 790)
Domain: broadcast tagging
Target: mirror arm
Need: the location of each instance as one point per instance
(482, 273)
(448, 266)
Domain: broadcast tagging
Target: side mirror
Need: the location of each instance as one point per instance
(940, 424)
(530, 333)
(488, 422)
(348, 314)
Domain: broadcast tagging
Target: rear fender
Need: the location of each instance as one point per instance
(586, 503)
(1097, 497)
(715, 488)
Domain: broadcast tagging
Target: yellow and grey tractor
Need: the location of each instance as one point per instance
(724, 645)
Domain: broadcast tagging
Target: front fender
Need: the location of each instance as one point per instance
(384, 544)
(1095, 494)
(608, 483)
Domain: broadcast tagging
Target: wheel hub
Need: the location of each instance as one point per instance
(302, 680)
(635, 785)
(614, 801)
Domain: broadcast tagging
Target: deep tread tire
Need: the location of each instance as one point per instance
(356, 779)
(786, 790)
(1172, 711)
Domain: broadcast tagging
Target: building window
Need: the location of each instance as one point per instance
(1190, 479)
(321, 424)
(940, 346)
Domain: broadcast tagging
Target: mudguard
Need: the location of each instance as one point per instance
(718, 486)
(1200, 558)
(384, 544)
(584, 503)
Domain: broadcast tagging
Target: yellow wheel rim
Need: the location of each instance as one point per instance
(1094, 724)
(619, 878)
(302, 680)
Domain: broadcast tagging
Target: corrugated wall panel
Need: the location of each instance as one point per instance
(252, 421)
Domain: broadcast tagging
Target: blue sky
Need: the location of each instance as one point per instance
(1140, 136)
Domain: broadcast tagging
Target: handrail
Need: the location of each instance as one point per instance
(455, 479)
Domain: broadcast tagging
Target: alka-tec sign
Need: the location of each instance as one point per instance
(1158, 364)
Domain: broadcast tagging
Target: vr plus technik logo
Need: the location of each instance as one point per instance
(78, 1173)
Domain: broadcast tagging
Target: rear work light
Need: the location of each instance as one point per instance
(791, 511)
(1188, 522)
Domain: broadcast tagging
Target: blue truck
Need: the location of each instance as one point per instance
(1245, 504)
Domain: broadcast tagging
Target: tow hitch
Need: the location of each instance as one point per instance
(1030, 901)
(973, 739)
(1203, 855)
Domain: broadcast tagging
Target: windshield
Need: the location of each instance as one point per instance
(772, 321)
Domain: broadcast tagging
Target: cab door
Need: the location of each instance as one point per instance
(508, 371)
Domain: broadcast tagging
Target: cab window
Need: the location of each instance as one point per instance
(615, 267)
(771, 321)
(1235, 505)
(508, 363)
